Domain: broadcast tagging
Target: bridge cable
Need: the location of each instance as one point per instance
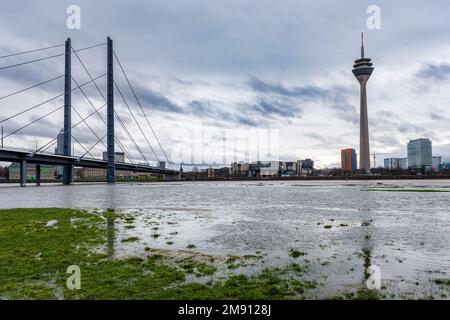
(34, 121)
(87, 124)
(87, 48)
(82, 146)
(94, 145)
(95, 134)
(142, 109)
(130, 136)
(31, 61)
(53, 141)
(34, 86)
(42, 103)
(135, 120)
(117, 116)
(49, 57)
(121, 146)
(30, 51)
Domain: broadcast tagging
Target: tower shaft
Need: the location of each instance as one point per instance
(364, 148)
(362, 69)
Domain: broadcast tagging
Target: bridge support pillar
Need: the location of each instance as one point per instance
(23, 173)
(68, 170)
(110, 113)
(38, 174)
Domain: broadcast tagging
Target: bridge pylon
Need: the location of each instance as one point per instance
(110, 113)
(68, 170)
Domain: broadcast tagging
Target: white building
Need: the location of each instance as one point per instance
(437, 161)
(396, 163)
(270, 171)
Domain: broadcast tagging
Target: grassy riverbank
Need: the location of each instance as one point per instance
(38, 245)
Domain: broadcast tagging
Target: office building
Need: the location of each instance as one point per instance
(162, 164)
(348, 160)
(47, 171)
(119, 157)
(59, 150)
(437, 162)
(218, 173)
(445, 166)
(289, 168)
(270, 169)
(420, 154)
(305, 167)
(239, 169)
(396, 163)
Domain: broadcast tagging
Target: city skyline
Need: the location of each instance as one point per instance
(285, 88)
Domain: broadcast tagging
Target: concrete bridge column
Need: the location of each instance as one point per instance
(23, 173)
(38, 174)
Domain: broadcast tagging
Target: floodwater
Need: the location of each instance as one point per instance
(343, 228)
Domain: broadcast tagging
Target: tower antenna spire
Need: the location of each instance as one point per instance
(362, 45)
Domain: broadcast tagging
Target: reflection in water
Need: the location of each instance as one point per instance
(367, 244)
(110, 197)
(110, 233)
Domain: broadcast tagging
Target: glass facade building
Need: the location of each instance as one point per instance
(420, 154)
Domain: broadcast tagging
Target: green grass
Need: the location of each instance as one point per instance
(444, 282)
(34, 259)
(358, 295)
(130, 239)
(295, 253)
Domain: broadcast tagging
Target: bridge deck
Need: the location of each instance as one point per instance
(17, 155)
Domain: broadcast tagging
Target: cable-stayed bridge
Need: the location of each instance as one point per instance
(66, 157)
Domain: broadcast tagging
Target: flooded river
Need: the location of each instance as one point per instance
(341, 229)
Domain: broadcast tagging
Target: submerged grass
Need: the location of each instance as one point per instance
(35, 256)
(406, 190)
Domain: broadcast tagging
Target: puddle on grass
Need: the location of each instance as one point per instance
(340, 227)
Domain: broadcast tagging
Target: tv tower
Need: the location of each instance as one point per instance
(362, 69)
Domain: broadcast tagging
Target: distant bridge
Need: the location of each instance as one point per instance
(67, 159)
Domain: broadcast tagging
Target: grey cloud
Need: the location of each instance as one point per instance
(228, 41)
(386, 114)
(335, 98)
(386, 140)
(28, 76)
(213, 110)
(155, 101)
(435, 71)
(277, 108)
(440, 116)
(306, 92)
(315, 136)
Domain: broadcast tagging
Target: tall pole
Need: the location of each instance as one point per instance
(362, 69)
(2, 137)
(110, 113)
(23, 173)
(364, 148)
(68, 170)
(38, 174)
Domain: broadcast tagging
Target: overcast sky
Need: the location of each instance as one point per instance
(224, 80)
